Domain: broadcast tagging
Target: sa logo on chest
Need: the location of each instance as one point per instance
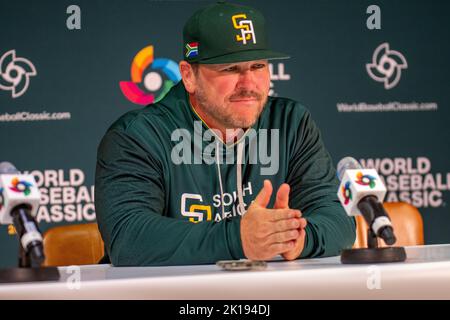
(196, 211)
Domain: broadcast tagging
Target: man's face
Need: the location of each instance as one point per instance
(232, 94)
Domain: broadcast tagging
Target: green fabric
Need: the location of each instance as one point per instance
(138, 189)
(215, 34)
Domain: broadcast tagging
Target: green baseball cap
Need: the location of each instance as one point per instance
(226, 33)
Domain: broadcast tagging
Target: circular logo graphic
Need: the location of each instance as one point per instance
(365, 180)
(157, 82)
(20, 186)
(386, 66)
(347, 193)
(15, 73)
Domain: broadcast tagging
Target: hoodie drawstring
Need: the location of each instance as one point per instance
(240, 152)
(220, 179)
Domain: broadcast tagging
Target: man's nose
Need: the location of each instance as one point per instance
(246, 80)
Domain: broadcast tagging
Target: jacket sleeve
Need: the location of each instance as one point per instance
(314, 186)
(130, 201)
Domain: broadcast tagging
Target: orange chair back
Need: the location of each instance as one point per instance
(406, 221)
(75, 244)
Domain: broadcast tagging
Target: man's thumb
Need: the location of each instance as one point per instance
(282, 199)
(263, 197)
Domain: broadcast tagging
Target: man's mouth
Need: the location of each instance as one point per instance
(245, 98)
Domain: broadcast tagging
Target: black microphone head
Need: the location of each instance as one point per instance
(8, 168)
(387, 234)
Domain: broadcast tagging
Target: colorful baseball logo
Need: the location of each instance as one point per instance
(365, 180)
(153, 81)
(20, 186)
(347, 193)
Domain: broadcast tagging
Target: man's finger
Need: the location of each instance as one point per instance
(282, 214)
(281, 247)
(282, 200)
(287, 224)
(283, 236)
(263, 197)
(303, 223)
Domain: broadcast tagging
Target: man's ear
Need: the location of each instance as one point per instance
(187, 76)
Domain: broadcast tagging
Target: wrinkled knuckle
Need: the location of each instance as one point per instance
(280, 237)
(279, 227)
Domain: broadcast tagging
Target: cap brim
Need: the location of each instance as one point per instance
(243, 56)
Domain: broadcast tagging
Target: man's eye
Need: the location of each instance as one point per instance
(230, 69)
(259, 66)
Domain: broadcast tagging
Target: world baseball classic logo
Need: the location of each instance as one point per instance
(15, 73)
(386, 66)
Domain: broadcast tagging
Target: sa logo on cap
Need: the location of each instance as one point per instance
(246, 27)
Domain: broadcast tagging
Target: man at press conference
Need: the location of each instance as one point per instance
(167, 192)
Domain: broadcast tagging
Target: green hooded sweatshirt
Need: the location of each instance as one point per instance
(168, 192)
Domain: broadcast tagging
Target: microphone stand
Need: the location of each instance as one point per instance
(24, 258)
(373, 254)
(29, 270)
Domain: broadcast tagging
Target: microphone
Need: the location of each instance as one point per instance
(19, 202)
(362, 192)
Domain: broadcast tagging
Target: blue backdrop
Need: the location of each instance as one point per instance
(380, 95)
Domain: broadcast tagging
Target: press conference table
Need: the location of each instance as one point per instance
(425, 275)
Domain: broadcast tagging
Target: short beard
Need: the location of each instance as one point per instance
(229, 119)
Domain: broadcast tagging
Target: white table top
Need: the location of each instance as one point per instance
(425, 275)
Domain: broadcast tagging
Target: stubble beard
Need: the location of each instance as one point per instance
(226, 117)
